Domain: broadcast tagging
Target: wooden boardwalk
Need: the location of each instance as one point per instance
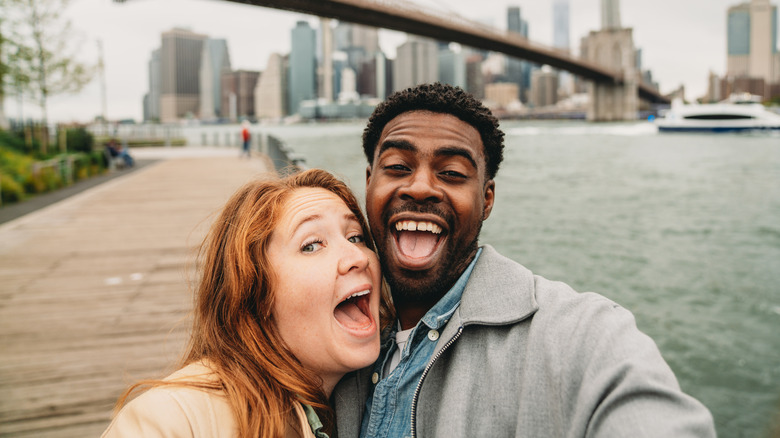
(94, 291)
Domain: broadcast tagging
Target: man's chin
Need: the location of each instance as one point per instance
(416, 286)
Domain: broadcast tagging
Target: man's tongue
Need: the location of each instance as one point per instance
(416, 244)
(349, 315)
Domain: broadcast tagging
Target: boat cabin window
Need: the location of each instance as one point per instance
(719, 117)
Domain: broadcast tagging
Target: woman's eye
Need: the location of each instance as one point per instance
(311, 246)
(358, 238)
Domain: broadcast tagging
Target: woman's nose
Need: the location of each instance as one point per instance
(353, 256)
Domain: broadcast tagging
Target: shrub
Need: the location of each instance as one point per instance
(79, 140)
(22, 174)
(10, 190)
(14, 141)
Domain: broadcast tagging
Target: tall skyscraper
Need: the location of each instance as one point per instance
(561, 24)
(518, 71)
(180, 60)
(475, 82)
(452, 67)
(752, 41)
(561, 42)
(152, 99)
(416, 63)
(271, 90)
(610, 14)
(302, 83)
(348, 87)
(326, 64)
(544, 88)
(361, 46)
(215, 61)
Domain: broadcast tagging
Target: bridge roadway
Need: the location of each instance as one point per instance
(408, 17)
(93, 291)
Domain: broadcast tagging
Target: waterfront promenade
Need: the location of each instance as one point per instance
(94, 289)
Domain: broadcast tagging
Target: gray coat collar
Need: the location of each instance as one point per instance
(481, 305)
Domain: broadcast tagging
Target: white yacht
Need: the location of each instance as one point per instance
(740, 112)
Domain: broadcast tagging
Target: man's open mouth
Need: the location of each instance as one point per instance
(354, 312)
(417, 240)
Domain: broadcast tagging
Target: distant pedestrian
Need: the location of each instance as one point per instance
(245, 136)
(117, 151)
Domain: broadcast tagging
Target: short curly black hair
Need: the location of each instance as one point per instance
(439, 98)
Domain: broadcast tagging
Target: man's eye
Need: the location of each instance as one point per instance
(358, 238)
(453, 174)
(397, 167)
(311, 246)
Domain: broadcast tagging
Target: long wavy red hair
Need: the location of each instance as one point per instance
(233, 326)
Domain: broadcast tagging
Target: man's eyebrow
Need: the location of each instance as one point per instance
(454, 151)
(396, 144)
(447, 151)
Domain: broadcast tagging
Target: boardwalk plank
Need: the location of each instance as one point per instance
(95, 292)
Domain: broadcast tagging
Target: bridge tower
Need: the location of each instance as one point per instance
(613, 49)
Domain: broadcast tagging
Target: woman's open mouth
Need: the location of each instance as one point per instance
(354, 313)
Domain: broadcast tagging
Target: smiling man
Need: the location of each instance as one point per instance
(481, 346)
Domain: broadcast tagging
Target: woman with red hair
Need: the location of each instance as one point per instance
(288, 302)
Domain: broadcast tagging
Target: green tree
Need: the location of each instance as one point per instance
(7, 51)
(45, 63)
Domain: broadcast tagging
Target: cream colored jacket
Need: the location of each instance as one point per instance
(182, 412)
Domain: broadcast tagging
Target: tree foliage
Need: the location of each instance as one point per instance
(38, 51)
(15, 57)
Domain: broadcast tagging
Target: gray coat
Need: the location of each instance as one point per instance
(527, 357)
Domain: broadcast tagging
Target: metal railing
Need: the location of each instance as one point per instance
(284, 159)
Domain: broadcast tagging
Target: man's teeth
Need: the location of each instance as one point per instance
(417, 226)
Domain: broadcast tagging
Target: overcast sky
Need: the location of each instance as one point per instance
(681, 40)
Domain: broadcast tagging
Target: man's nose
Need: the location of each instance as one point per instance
(422, 186)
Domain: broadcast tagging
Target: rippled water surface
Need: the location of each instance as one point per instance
(684, 230)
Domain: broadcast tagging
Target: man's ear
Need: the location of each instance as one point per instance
(368, 174)
(490, 197)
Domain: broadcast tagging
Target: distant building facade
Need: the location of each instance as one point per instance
(215, 61)
(752, 46)
(475, 81)
(562, 43)
(360, 46)
(416, 63)
(152, 98)
(238, 94)
(544, 88)
(452, 67)
(180, 61)
(325, 83)
(501, 94)
(518, 71)
(302, 77)
(271, 89)
(561, 24)
(610, 14)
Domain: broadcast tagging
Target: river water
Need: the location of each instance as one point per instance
(681, 229)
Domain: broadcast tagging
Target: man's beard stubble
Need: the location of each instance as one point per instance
(417, 288)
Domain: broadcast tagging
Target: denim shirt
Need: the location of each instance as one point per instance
(389, 406)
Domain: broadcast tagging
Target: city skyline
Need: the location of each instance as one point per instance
(131, 31)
